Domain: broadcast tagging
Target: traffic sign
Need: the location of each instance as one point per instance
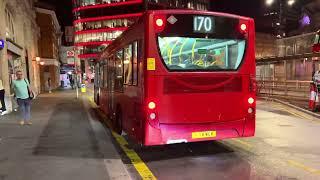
(70, 53)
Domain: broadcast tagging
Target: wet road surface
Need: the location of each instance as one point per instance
(286, 147)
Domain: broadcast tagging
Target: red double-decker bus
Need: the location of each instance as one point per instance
(179, 76)
(316, 44)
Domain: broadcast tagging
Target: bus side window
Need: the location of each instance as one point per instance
(119, 70)
(127, 65)
(105, 70)
(135, 63)
(101, 76)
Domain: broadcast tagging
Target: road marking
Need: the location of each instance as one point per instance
(115, 168)
(137, 162)
(295, 113)
(302, 166)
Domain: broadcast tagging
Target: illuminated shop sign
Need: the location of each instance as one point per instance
(1, 44)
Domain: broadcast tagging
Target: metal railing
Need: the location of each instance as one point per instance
(289, 88)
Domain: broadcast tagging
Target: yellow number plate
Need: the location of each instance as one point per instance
(204, 134)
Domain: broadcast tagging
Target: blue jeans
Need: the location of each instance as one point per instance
(25, 107)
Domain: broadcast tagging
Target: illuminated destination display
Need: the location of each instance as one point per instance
(203, 24)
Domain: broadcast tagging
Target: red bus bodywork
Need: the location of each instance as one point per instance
(185, 106)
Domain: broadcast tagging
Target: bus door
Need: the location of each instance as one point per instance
(111, 85)
(97, 83)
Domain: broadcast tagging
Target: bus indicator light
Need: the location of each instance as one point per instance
(251, 100)
(243, 27)
(152, 105)
(159, 22)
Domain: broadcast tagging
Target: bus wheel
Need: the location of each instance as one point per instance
(118, 122)
(98, 99)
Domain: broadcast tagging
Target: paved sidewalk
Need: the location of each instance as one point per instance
(65, 142)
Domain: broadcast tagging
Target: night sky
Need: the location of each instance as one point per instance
(250, 8)
(63, 10)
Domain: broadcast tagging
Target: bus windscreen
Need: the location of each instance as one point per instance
(201, 43)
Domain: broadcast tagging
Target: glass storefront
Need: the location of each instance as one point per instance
(14, 64)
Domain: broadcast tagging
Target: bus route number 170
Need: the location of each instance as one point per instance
(203, 24)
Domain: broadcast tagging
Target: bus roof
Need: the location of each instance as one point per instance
(169, 11)
(186, 11)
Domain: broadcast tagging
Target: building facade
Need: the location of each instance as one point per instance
(20, 33)
(49, 44)
(68, 36)
(292, 59)
(98, 22)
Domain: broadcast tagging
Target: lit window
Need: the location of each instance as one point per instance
(127, 65)
(10, 33)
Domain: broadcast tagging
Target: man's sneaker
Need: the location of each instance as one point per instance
(21, 123)
(4, 113)
(29, 123)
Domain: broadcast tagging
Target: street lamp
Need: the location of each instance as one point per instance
(38, 59)
(269, 2)
(41, 63)
(291, 2)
